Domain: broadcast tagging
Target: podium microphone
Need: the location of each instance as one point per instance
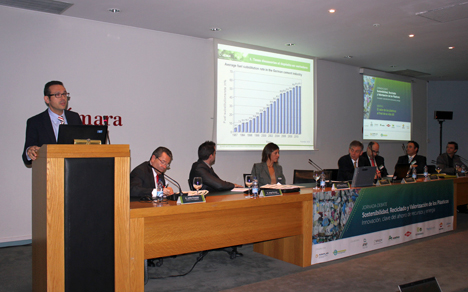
(315, 165)
(106, 119)
(403, 147)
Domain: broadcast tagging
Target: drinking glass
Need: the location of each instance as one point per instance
(248, 182)
(316, 177)
(197, 183)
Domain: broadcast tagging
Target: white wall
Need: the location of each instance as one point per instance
(162, 85)
(447, 96)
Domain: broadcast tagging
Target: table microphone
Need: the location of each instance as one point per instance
(315, 165)
(106, 118)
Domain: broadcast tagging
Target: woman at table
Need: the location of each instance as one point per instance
(269, 171)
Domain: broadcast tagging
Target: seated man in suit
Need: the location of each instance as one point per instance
(347, 163)
(43, 128)
(203, 168)
(449, 161)
(412, 157)
(373, 158)
(145, 177)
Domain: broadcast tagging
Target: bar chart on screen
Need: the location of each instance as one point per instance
(262, 104)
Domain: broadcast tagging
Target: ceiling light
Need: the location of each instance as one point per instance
(215, 29)
(114, 10)
(290, 44)
(451, 48)
(411, 35)
(332, 10)
(348, 57)
(376, 25)
(392, 66)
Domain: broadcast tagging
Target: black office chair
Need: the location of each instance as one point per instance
(245, 174)
(331, 174)
(303, 176)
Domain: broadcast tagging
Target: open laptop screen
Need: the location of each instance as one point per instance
(426, 285)
(68, 133)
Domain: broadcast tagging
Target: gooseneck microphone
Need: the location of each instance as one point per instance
(173, 181)
(403, 147)
(315, 165)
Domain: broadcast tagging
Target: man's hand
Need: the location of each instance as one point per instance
(168, 191)
(238, 186)
(32, 152)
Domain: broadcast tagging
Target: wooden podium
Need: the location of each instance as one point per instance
(80, 218)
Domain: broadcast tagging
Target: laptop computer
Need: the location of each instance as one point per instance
(363, 176)
(69, 133)
(425, 285)
(401, 171)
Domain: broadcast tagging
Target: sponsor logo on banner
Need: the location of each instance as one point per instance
(419, 230)
(390, 238)
(364, 243)
(408, 233)
(337, 252)
(321, 255)
(378, 241)
(430, 228)
(448, 225)
(441, 226)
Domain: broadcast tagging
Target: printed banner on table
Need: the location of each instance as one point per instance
(353, 221)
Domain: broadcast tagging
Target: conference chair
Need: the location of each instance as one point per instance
(245, 174)
(303, 176)
(331, 174)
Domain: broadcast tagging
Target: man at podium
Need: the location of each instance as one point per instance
(43, 128)
(145, 177)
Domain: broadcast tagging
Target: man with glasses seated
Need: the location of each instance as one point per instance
(43, 128)
(374, 159)
(145, 177)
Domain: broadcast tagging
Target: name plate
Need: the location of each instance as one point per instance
(341, 186)
(192, 199)
(383, 182)
(433, 176)
(271, 192)
(408, 180)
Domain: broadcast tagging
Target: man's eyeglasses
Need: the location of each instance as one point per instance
(375, 152)
(167, 165)
(58, 95)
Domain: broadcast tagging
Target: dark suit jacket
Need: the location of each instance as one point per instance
(39, 130)
(211, 180)
(443, 162)
(379, 160)
(260, 171)
(420, 162)
(346, 167)
(142, 180)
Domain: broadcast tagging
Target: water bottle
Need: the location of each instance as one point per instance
(159, 191)
(322, 180)
(426, 172)
(415, 174)
(255, 188)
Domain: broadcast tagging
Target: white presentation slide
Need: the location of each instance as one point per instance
(387, 109)
(263, 97)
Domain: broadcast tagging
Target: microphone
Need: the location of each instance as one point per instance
(403, 147)
(315, 165)
(106, 119)
(433, 162)
(464, 160)
(173, 181)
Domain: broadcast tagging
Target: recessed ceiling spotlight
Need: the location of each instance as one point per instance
(451, 48)
(392, 66)
(332, 10)
(114, 10)
(411, 35)
(376, 25)
(348, 57)
(290, 44)
(215, 29)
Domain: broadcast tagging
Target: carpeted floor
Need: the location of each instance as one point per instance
(444, 256)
